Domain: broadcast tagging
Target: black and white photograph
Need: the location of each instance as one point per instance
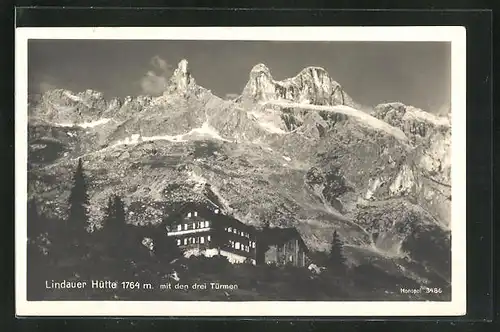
(240, 171)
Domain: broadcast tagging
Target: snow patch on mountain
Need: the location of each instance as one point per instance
(267, 120)
(136, 138)
(90, 124)
(373, 186)
(175, 139)
(72, 96)
(271, 128)
(207, 131)
(388, 247)
(204, 132)
(363, 117)
(404, 182)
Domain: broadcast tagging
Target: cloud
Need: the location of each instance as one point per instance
(444, 110)
(160, 64)
(41, 83)
(45, 86)
(154, 82)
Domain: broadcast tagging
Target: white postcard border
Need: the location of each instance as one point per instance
(456, 307)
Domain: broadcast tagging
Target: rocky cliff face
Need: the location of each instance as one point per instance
(292, 152)
(313, 85)
(431, 137)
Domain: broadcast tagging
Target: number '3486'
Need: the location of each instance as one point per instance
(434, 290)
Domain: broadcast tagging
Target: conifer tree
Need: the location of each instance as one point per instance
(34, 230)
(78, 202)
(33, 221)
(119, 210)
(336, 257)
(114, 226)
(73, 240)
(267, 224)
(35, 259)
(164, 247)
(109, 211)
(115, 214)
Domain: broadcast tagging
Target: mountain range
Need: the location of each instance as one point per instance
(298, 152)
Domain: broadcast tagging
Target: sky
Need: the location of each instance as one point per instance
(414, 73)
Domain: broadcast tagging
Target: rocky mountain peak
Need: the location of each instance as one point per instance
(260, 86)
(413, 121)
(70, 96)
(313, 71)
(62, 105)
(260, 69)
(312, 85)
(181, 80)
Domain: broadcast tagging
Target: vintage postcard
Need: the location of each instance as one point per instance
(245, 171)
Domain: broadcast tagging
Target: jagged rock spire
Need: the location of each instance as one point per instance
(181, 79)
